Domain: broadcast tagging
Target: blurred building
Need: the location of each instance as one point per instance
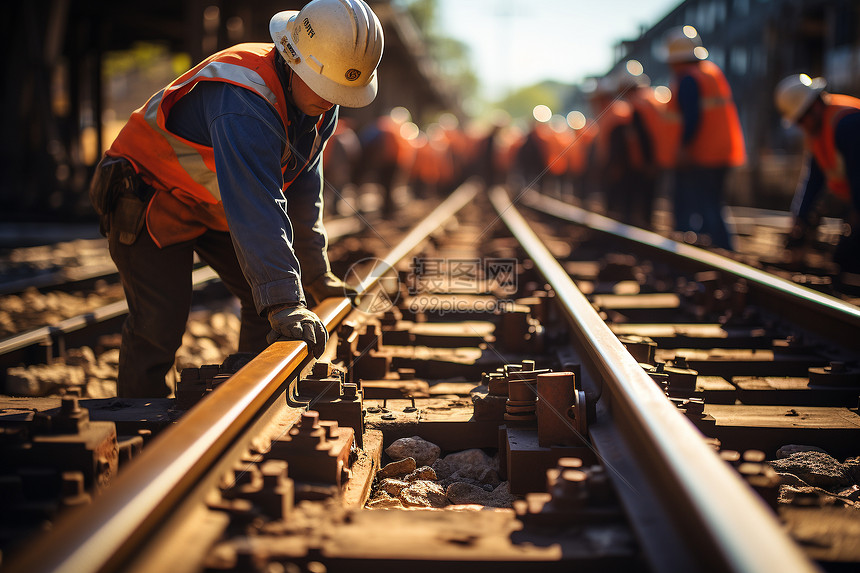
(59, 100)
(757, 43)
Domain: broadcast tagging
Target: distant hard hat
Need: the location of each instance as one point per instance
(334, 46)
(794, 95)
(630, 76)
(683, 44)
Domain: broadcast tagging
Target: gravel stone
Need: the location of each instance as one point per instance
(461, 493)
(422, 473)
(399, 468)
(815, 468)
(424, 452)
(424, 493)
(471, 466)
(789, 449)
(393, 487)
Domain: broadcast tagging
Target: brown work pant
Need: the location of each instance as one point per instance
(157, 284)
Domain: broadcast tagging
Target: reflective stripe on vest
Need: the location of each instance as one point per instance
(168, 162)
(824, 144)
(189, 157)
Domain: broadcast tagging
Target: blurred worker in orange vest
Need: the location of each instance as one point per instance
(711, 138)
(658, 138)
(386, 154)
(225, 162)
(532, 158)
(616, 154)
(831, 126)
(577, 148)
(340, 157)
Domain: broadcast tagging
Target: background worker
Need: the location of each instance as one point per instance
(831, 128)
(711, 138)
(226, 161)
(657, 138)
(615, 153)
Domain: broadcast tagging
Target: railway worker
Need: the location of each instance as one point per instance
(831, 128)
(657, 137)
(615, 154)
(226, 162)
(711, 138)
(340, 157)
(386, 155)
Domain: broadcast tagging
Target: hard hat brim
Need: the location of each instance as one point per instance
(346, 96)
(813, 95)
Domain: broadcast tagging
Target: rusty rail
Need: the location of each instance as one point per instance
(680, 467)
(104, 535)
(833, 318)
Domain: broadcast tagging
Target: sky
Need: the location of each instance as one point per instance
(515, 43)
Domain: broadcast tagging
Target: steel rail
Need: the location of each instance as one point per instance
(112, 310)
(102, 536)
(200, 276)
(682, 466)
(837, 319)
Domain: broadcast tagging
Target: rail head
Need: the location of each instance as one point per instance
(710, 488)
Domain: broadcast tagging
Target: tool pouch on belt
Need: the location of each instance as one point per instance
(120, 198)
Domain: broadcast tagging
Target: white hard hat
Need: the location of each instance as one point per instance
(795, 94)
(683, 44)
(334, 46)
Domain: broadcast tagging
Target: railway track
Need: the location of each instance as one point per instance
(621, 391)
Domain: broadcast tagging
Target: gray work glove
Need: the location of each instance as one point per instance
(328, 285)
(296, 322)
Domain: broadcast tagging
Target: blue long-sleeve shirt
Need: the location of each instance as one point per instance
(688, 102)
(279, 237)
(847, 139)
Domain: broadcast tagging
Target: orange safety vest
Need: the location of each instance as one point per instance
(577, 148)
(719, 140)
(823, 145)
(551, 149)
(665, 134)
(187, 201)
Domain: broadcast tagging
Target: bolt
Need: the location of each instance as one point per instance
(411, 408)
(569, 463)
(695, 406)
(69, 405)
(680, 362)
(350, 391)
(321, 370)
(72, 483)
(528, 365)
(273, 472)
(754, 456)
(836, 367)
(310, 421)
